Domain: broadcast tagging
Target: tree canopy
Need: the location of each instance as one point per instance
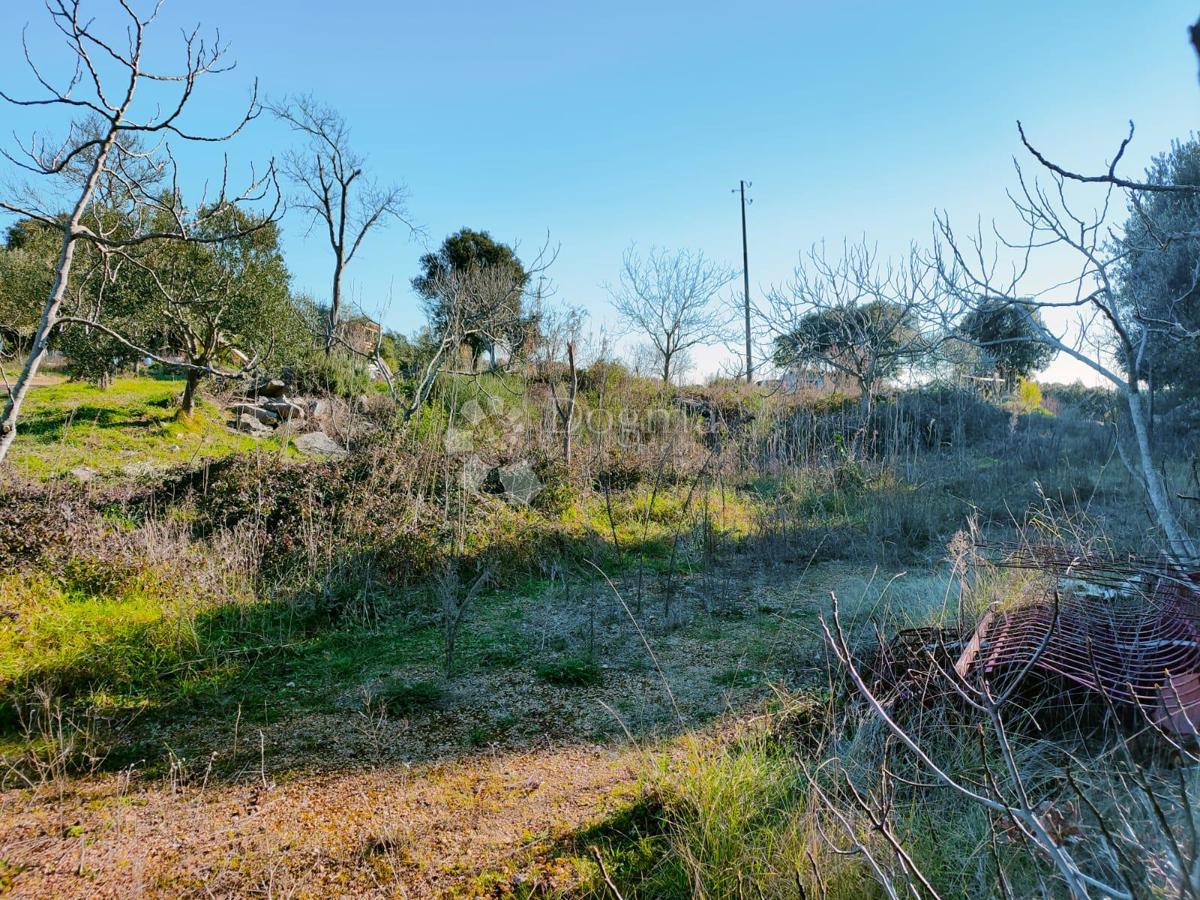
(1008, 337)
(1158, 272)
(464, 252)
(867, 341)
(26, 276)
(222, 301)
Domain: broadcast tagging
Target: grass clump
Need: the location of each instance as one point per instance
(571, 671)
(403, 696)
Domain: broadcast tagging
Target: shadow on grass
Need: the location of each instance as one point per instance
(633, 843)
(360, 661)
(50, 426)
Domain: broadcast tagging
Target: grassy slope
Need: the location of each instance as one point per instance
(266, 693)
(122, 430)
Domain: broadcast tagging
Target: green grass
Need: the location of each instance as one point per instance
(737, 678)
(571, 671)
(154, 643)
(71, 638)
(738, 817)
(125, 429)
(645, 530)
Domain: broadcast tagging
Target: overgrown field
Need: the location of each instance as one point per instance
(620, 686)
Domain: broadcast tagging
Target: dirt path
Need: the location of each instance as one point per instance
(42, 379)
(469, 828)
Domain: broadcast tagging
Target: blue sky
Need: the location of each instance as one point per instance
(606, 124)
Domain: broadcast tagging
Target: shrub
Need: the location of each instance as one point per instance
(618, 476)
(571, 671)
(1028, 397)
(286, 504)
(37, 522)
(939, 416)
(557, 491)
(336, 373)
(1094, 403)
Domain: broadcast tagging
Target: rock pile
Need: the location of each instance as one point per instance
(265, 407)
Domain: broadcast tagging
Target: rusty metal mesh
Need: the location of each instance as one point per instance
(1127, 629)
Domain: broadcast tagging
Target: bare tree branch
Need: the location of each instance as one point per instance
(103, 163)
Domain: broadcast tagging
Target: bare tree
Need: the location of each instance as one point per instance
(668, 296)
(455, 604)
(560, 330)
(477, 304)
(1108, 336)
(120, 193)
(333, 188)
(855, 315)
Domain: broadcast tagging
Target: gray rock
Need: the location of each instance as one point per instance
(318, 442)
(318, 408)
(250, 425)
(285, 409)
(271, 388)
(258, 413)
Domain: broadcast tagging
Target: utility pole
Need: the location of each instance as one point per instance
(742, 185)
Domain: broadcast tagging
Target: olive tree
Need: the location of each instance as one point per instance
(223, 303)
(999, 330)
(26, 275)
(1158, 272)
(462, 252)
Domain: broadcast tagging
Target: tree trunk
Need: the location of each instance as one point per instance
(1150, 394)
(49, 319)
(865, 399)
(39, 348)
(864, 403)
(1182, 547)
(188, 404)
(335, 305)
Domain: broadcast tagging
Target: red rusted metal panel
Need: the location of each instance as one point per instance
(1134, 646)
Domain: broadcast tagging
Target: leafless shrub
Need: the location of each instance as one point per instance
(455, 602)
(60, 741)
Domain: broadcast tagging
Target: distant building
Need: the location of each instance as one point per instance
(362, 334)
(797, 378)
